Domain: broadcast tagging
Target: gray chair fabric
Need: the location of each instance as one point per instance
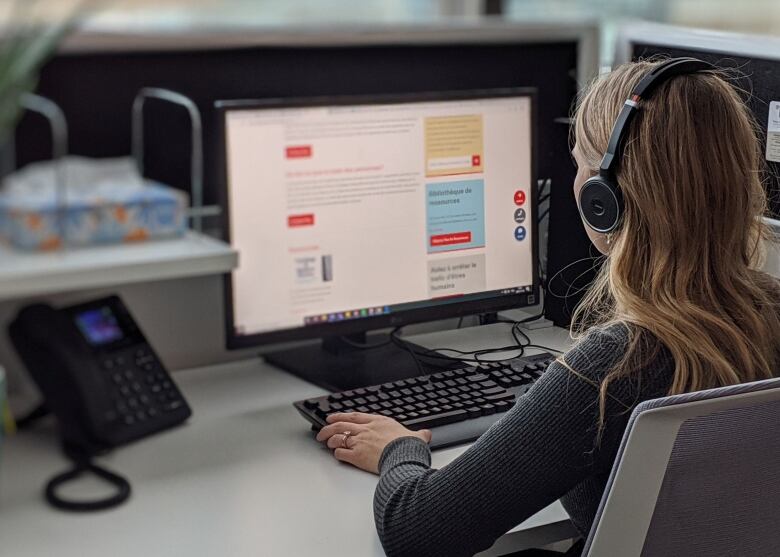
(705, 470)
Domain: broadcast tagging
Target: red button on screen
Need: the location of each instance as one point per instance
(294, 221)
(451, 239)
(298, 152)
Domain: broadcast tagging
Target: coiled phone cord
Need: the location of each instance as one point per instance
(82, 464)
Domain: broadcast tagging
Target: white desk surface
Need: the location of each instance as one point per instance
(243, 477)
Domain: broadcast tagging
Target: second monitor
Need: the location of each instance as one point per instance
(352, 214)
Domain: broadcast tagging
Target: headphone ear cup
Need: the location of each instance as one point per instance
(601, 204)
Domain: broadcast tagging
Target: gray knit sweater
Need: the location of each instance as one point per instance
(543, 449)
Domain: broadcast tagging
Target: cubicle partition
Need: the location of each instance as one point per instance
(95, 77)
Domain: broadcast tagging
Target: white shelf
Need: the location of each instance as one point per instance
(28, 274)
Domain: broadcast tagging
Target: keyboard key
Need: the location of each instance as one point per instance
(435, 420)
(492, 391)
(171, 406)
(500, 396)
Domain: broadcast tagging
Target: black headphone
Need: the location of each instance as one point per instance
(600, 200)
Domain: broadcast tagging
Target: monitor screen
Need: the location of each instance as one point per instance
(362, 212)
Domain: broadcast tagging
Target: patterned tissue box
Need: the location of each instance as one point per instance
(107, 211)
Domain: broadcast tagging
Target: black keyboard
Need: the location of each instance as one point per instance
(457, 405)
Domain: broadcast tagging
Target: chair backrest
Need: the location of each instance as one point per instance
(697, 474)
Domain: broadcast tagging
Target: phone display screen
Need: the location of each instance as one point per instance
(99, 326)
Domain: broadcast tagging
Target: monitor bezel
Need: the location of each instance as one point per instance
(235, 341)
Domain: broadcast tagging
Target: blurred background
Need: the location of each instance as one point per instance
(748, 16)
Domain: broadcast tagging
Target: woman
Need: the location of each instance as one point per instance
(678, 306)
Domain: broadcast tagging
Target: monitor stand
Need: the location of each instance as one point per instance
(336, 364)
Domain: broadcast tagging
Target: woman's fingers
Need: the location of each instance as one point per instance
(339, 427)
(358, 457)
(345, 455)
(354, 417)
(341, 441)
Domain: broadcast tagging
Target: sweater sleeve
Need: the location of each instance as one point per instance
(541, 449)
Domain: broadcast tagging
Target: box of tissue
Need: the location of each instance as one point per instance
(103, 201)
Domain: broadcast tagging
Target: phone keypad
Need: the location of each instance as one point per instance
(143, 390)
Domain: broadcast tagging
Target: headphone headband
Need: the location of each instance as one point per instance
(643, 90)
(600, 200)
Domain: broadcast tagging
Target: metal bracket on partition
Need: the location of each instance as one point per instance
(59, 146)
(197, 211)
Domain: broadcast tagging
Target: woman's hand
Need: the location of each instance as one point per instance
(360, 438)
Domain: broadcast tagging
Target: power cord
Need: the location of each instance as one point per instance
(522, 341)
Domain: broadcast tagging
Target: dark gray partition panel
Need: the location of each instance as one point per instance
(96, 90)
(758, 77)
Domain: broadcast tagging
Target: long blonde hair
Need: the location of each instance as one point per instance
(682, 271)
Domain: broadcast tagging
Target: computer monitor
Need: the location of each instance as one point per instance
(757, 61)
(359, 213)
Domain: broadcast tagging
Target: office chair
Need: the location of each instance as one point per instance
(697, 474)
